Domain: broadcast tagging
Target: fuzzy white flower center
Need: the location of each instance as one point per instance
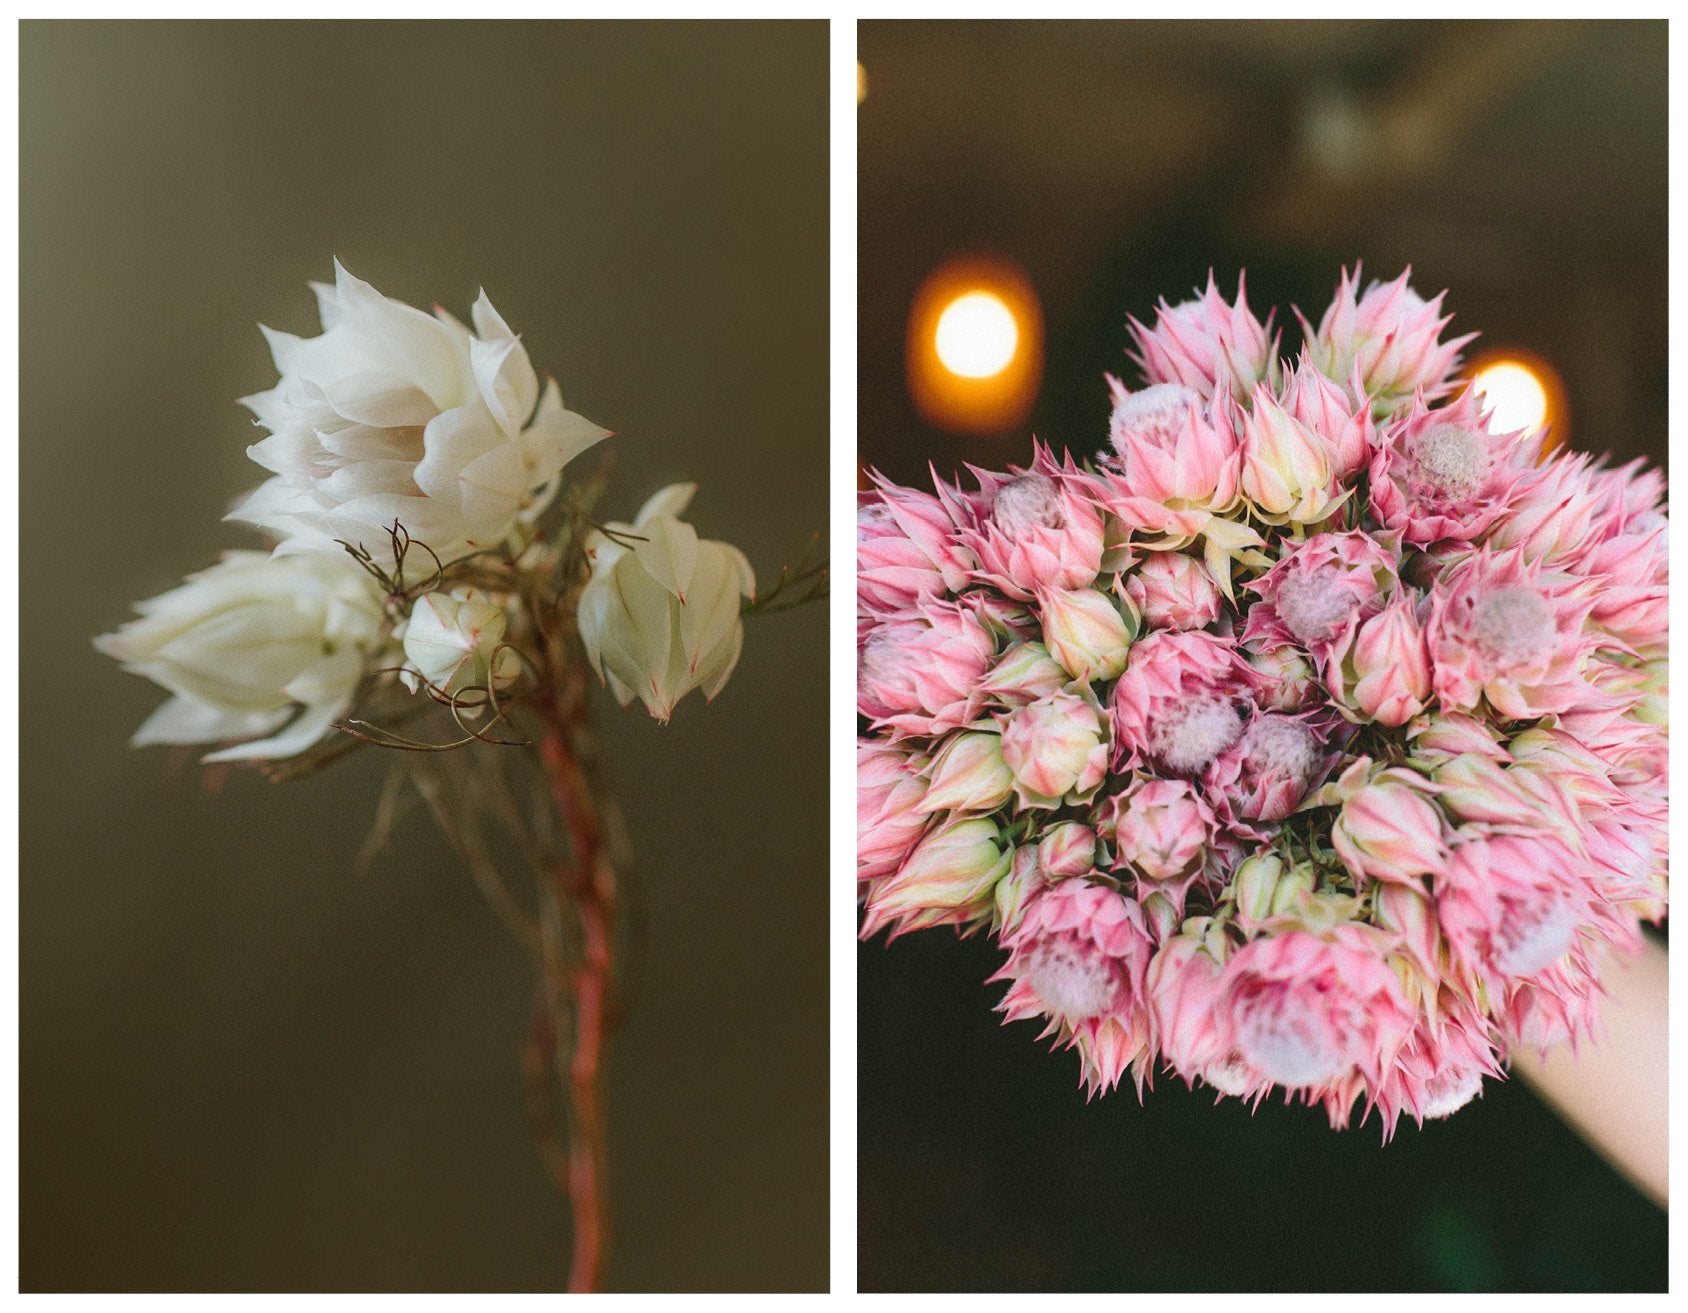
(1029, 502)
(1229, 1075)
(1284, 1047)
(1513, 624)
(1280, 746)
(1450, 463)
(1312, 604)
(874, 521)
(1194, 732)
(1449, 1091)
(1531, 939)
(881, 658)
(1155, 415)
(1072, 978)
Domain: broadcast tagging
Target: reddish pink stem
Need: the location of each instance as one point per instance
(588, 885)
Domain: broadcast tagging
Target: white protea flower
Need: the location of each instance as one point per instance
(454, 643)
(660, 614)
(253, 645)
(393, 414)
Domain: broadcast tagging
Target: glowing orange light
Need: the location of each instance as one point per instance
(1520, 390)
(975, 346)
(861, 82)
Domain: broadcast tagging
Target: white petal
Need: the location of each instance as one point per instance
(493, 488)
(417, 346)
(556, 435)
(506, 381)
(368, 477)
(184, 720)
(328, 303)
(312, 724)
(667, 548)
(713, 608)
(284, 347)
(713, 670)
(454, 439)
(380, 400)
(502, 368)
(671, 500)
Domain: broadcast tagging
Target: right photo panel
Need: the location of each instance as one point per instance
(1262, 656)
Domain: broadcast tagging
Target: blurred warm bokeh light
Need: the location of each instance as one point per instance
(1522, 391)
(975, 346)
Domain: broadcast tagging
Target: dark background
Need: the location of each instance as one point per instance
(1522, 166)
(245, 1065)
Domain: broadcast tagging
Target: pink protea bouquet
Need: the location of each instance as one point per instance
(1313, 736)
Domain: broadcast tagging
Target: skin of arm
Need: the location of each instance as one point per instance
(1614, 1089)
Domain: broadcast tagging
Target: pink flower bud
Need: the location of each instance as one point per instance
(1510, 905)
(1290, 681)
(1208, 346)
(1441, 475)
(1384, 676)
(1322, 587)
(1322, 407)
(1451, 734)
(1254, 886)
(1024, 673)
(949, 879)
(1389, 830)
(1086, 633)
(1473, 788)
(920, 674)
(1405, 910)
(1501, 630)
(1040, 532)
(1185, 986)
(1305, 1010)
(1055, 747)
(1287, 471)
(1552, 510)
(906, 549)
(1078, 957)
(1441, 1066)
(968, 774)
(1161, 829)
(888, 821)
(1386, 341)
(1015, 892)
(1067, 850)
(1268, 770)
(1174, 591)
(1179, 702)
(1174, 464)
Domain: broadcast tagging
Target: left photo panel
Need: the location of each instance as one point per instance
(423, 805)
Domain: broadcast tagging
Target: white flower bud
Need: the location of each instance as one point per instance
(454, 642)
(660, 615)
(248, 643)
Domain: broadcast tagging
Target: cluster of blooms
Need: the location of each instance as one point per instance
(400, 434)
(1314, 736)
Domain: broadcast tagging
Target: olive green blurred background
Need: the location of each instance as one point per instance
(243, 1064)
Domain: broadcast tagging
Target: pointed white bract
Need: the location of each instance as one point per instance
(660, 615)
